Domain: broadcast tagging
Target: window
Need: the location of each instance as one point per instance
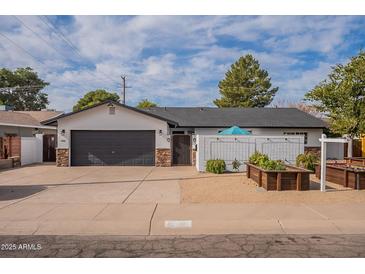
(178, 132)
(305, 134)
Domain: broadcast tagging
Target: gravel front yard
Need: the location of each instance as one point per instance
(236, 188)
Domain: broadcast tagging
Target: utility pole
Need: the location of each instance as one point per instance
(124, 77)
(123, 92)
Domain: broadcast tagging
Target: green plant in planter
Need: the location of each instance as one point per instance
(216, 166)
(263, 161)
(236, 164)
(273, 165)
(307, 160)
(258, 158)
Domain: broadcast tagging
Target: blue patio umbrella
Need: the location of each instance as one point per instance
(235, 130)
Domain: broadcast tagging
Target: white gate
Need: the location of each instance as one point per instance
(31, 150)
(229, 148)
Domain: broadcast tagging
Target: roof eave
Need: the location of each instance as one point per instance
(52, 120)
(248, 126)
(27, 126)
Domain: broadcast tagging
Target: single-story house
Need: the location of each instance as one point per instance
(17, 124)
(111, 133)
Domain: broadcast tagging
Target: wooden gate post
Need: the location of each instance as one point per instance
(278, 181)
(299, 181)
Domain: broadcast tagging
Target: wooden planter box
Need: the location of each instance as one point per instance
(356, 160)
(293, 178)
(343, 175)
(6, 163)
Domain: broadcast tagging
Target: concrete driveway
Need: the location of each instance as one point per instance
(50, 184)
(46, 200)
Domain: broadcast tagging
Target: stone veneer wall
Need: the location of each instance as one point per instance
(62, 157)
(163, 157)
(193, 156)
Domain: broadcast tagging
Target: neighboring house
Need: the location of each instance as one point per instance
(17, 124)
(114, 134)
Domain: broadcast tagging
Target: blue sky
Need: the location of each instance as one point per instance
(176, 60)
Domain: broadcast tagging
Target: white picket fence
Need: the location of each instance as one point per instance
(229, 148)
(31, 150)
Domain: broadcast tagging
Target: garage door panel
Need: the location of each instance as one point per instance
(112, 148)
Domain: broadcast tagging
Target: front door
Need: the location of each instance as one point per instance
(49, 148)
(181, 150)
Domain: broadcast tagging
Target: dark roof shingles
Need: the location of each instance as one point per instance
(244, 117)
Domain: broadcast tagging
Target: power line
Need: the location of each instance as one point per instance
(75, 48)
(124, 77)
(60, 34)
(20, 87)
(51, 46)
(34, 32)
(23, 49)
(31, 55)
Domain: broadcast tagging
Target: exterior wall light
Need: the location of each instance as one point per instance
(160, 132)
(168, 138)
(63, 132)
(111, 108)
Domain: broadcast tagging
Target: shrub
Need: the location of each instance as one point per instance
(258, 158)
(307, 160)
(273, 165)
(263, 161)
(216, 166)
(236, 164)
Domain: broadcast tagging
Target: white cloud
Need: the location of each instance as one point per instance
(292, 33)
(174, 60)
(295, 88)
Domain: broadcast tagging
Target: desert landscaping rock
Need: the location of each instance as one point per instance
(237, 188)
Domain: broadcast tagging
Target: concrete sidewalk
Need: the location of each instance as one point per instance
(145, 201)
(150, 219)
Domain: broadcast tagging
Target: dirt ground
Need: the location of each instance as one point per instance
(237, 188)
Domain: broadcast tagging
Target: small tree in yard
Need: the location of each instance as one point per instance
(236, 165)
(95, 97)
(146, 104)
(22, 89)
(245, 85)
(342, 97)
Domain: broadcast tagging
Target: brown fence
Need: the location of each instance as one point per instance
(10, 146)
(356, 148)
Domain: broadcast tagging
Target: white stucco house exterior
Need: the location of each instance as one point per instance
(111, 133)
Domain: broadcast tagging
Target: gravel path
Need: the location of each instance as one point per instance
(237, 188)
(283, 246)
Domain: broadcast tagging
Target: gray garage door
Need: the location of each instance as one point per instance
(112, 147)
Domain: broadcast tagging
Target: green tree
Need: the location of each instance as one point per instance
(342, 97)
(95, 97)
(21, 89)
(146, 104)
(245, 85)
